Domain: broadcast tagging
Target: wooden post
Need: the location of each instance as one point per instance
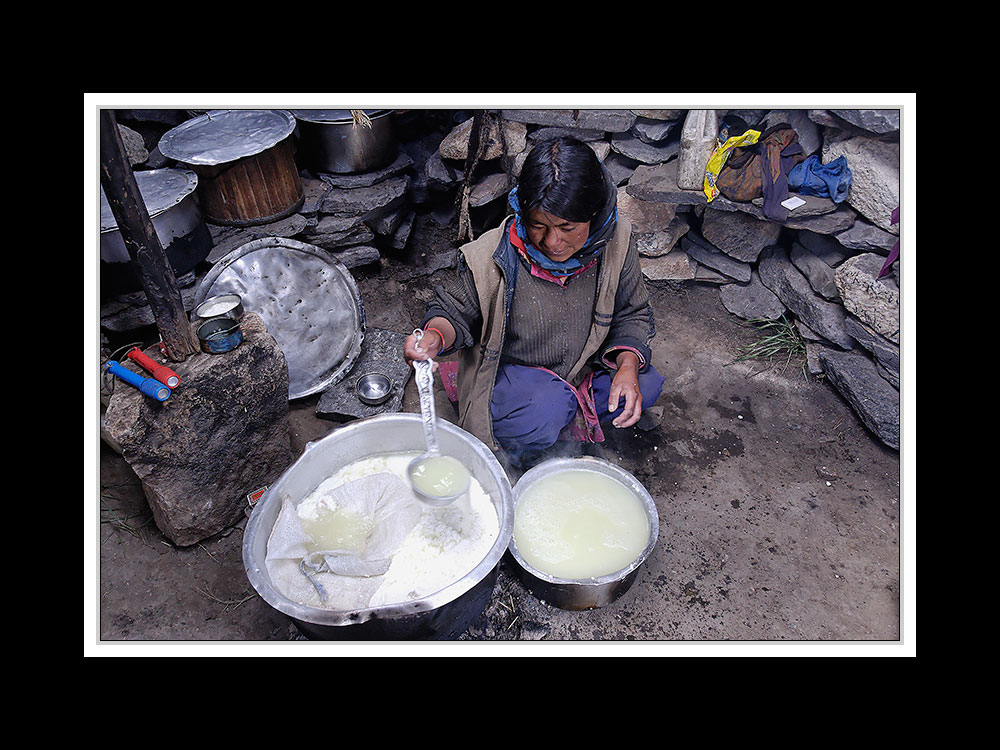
(477, 147)
(143, 244)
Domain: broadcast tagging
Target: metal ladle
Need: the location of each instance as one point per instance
(425, 387)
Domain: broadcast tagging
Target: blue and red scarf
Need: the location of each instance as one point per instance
(561, 272)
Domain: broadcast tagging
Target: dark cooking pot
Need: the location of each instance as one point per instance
(168, 195)
(331, 140)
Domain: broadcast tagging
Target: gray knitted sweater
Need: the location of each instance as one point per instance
(549, 323)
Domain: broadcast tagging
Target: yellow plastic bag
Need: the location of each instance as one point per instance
(718, 160)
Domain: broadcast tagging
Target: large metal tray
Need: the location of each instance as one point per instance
(308, 301)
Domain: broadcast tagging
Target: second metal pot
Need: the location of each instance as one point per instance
(583, 593)
(332, 141)
(168, 195)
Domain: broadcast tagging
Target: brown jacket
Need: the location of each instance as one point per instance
(478, 364)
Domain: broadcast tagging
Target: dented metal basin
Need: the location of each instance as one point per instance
(443, 615)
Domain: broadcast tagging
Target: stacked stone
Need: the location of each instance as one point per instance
(818, 268)
(622, 139)
(348, 215)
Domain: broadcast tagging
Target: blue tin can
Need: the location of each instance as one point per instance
(219, 335)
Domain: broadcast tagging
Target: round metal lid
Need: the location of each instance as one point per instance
(309, 303)
(333, 116)
(225, 135)
(160, 189)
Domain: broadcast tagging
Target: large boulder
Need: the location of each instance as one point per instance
(752, 300)
(645, 153)
(509, 141)
(874, 301)
(816, 270)
(659, 183)
(879, 121)
(885, 352)
(707, 255)
(611, 120)
(675, 265)
(366, 202)
(645, 216)
(221, 434)
(810, 137)
(874, 166)
(866, 237)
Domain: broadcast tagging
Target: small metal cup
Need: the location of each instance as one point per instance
(374, 388)
(220, 306)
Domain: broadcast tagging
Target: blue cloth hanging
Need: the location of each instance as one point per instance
(812, 177)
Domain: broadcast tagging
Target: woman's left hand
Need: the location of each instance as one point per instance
(626, 383)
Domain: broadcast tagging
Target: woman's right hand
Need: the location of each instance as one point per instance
(430, 345)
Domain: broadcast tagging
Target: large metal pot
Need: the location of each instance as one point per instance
(443, 615)
(169, 197)
(331, 140)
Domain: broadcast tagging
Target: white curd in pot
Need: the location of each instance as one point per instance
(579, 524)
(445, 545)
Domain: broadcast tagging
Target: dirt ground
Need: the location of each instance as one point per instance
(781, 517)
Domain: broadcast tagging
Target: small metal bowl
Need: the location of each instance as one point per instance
(220, 306)
(374, 388)
(583, 593)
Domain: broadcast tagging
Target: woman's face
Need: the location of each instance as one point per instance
(556, 238)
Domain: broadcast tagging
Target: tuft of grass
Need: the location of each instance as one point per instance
(781, 344)
(226, 604)
(118, 519)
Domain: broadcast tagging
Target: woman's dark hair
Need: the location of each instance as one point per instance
(564, 177)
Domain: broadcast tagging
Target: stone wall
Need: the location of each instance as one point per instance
(818, 268)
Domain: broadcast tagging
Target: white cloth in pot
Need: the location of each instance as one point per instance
(342, 579)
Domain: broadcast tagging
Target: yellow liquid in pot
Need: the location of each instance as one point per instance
(580, 524)
(339, 530)
(440, 476)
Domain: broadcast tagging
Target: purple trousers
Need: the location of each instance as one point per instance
(531, 406)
